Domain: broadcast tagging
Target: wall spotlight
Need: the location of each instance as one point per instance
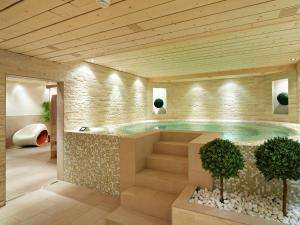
(103, 3)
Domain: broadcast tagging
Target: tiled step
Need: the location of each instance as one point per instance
(182, 136)
(124, 216)
(151, 202)
(169, 147)
(168, 163)
(162, 181)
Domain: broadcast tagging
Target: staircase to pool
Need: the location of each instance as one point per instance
(157, 185)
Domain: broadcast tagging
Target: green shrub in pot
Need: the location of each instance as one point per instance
(222, 159)
(158, 103)
(283, 98)
(279, 158)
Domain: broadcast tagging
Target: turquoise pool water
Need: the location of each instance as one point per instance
(235, 131)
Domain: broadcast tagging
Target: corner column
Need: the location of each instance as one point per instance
(298, 90)
(2, 140)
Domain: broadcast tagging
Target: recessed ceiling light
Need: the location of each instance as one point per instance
(293, 59)
(92, 60)
(103, 3)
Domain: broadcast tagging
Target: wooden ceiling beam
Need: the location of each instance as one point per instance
(223, 74)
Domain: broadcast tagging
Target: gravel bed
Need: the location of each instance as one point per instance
(254, 205)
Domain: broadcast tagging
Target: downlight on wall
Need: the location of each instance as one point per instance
(103, 3)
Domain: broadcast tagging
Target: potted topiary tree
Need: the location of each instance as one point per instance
(159, 103)
(222, 159)
(279, 158)
(283, 98)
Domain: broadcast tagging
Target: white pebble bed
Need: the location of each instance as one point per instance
(268, 208)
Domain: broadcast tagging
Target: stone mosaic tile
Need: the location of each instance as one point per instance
(92, 160)
(252, 181)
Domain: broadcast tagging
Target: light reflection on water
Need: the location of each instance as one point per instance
(235, 131)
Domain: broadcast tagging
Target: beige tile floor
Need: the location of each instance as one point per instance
(28, 169)
(60, 203)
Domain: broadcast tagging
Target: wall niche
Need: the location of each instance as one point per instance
(159, 101)
(280, 96)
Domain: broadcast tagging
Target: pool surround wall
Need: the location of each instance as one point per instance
(93, 160)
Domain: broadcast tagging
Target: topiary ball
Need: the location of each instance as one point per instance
(158, 103)
(283, 98)
(279, 158)
(221, 158)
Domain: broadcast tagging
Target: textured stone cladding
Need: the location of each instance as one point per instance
(248, 98)
(92, 160)
(252, 181)
(96, 96)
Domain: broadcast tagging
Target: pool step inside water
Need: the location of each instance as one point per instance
(171, 147)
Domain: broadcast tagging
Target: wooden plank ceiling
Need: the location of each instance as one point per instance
(156, 38)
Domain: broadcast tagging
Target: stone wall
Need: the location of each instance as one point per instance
(97, 96)
(241, 98)
(92, 161)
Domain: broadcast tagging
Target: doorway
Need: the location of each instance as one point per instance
(31, 134)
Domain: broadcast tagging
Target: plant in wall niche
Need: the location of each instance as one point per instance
(279, 158)
(45, 111)
(222, 159)
(159, 103)
(283, 98)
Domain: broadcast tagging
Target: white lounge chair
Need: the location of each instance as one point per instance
(31, 135)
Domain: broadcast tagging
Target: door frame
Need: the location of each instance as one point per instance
(60, 128)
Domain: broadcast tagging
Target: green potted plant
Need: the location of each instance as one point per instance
(283, 98)
(159, 103)
(45, 111)
(279, 158)
(222, 159)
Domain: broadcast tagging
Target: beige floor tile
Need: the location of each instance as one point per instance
(58, 204)
(28, 169)
(102, 221)
(64, 217)
(39, 219)
(9, 221)
(90, 217)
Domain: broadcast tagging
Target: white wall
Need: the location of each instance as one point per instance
(25, 99)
